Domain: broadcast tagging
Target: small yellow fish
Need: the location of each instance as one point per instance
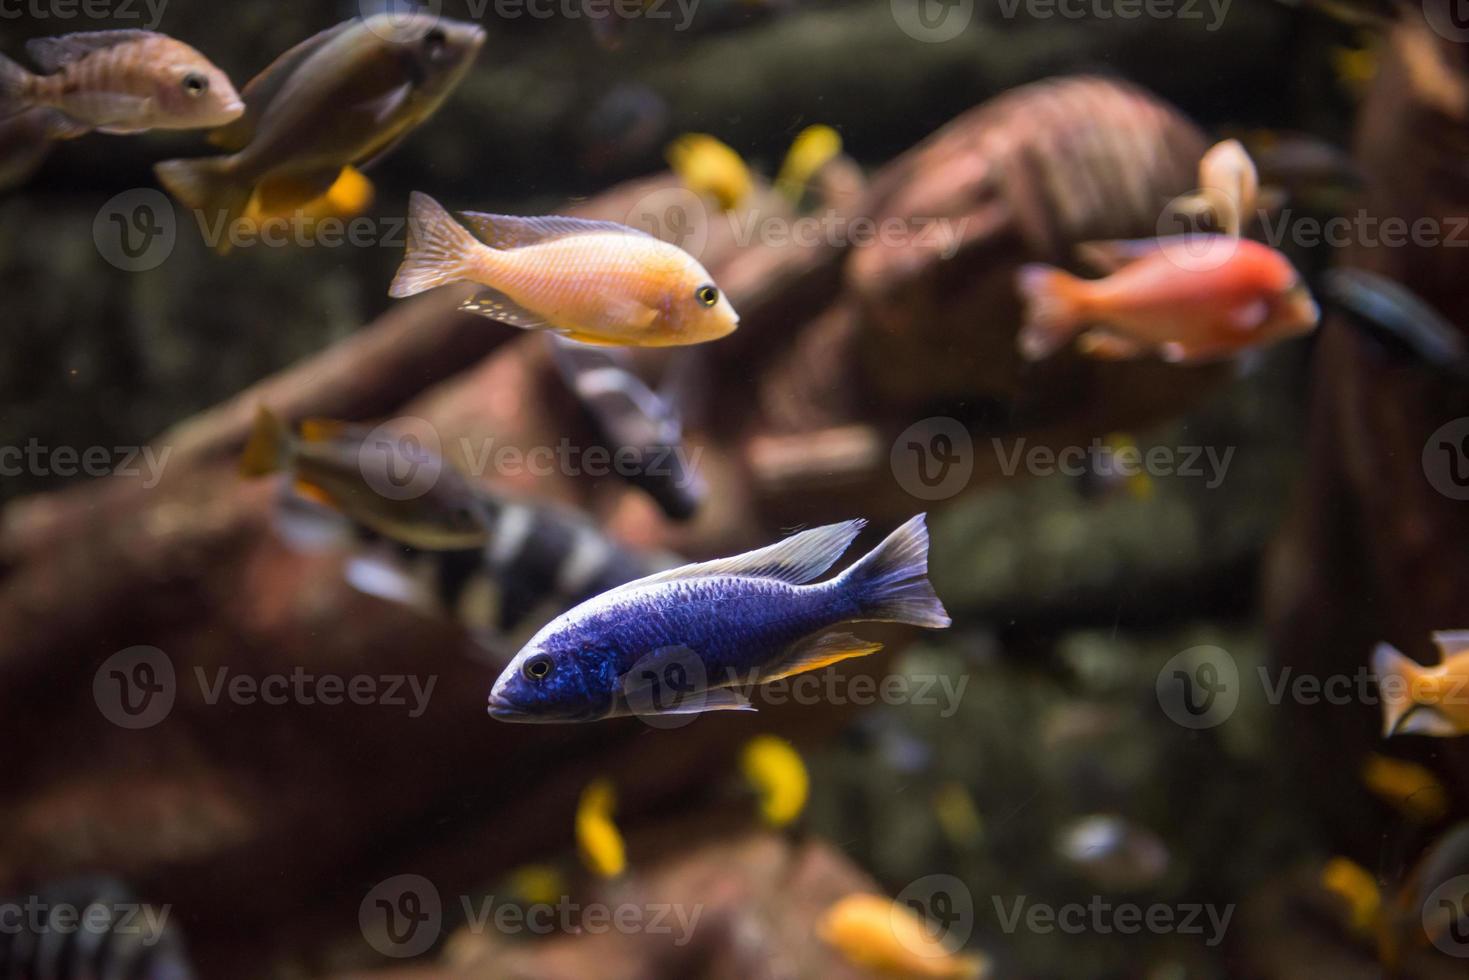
(537, 884)
(775, 769)
(349, 196)
(710, 168)
(118, 82)
(1355, 67)
(876, 933)
(1358, 891)
(813, 148)
(957, 814)
(1418, 700)
(1411, 788)
(596, 282)
(597, 838)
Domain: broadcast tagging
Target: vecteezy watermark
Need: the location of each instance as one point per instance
(1104, 918)
(1446, 459)
(1199, 687)
(932, 21)
(1445, 916)
(138, 687)
(147, 13)
(1104, 460)
(1211, 12)
(404, 916)
(933, 458)
(135, 231)
(36, 459)
(37, 917)
(945, 905)
(1448, 18)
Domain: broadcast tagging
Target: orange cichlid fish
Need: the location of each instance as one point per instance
(343, 98)
(596, 282)
(874, 932)
(118, 82)
(1418, 700)
(1190, 299)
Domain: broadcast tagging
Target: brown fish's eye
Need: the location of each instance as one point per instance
(707, 295)
(538, 668)
(195, 84)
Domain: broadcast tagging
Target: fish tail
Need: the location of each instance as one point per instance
(891, 581)
(440, 249)
(208, 186)
(268, 446)
(1053, 309)
(1397, 693)
(15, 88)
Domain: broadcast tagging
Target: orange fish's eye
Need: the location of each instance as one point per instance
(707, 295)
(539, 667)
(195, 84)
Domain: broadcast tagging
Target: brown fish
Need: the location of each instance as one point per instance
(118, 82)
(342, 98)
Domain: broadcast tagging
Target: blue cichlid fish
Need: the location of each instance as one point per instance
(697, 631)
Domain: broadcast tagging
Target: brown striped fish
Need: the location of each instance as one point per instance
(118, 82)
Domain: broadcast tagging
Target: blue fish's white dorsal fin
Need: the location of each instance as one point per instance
(796, 560)
(512, 231)
(1451, 642)
(54, 53)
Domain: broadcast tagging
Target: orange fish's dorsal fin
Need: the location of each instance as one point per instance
(54, 53)
(321, 430)
(1450, 643)
(1110, 256)
(497, 306)
(823, 651)
(510, 231)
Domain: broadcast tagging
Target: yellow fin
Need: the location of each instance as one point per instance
(314, 493)
(825, 650)
(268, 445)
(586, 338)
(321, 430)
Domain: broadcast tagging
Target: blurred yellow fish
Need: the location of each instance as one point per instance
(591, 281)
(813, 148)
(349, 196)
(1355, 67)
(774, 768)
(1418, 700)
(876, 933)
(537, 884)
(1355, 886)
(710, 168)
(118, 82)
(597, 838)
(958, 815)
(1411, 788)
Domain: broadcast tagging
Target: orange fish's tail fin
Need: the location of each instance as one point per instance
(268, 447)
(207, 186)
(440, 249)
(1053, 309)
(1396, 675)
(15, 88)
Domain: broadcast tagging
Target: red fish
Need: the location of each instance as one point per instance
(1188, 299)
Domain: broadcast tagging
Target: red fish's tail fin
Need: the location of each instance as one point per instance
(15, 88)
(1395, 684)
(440, 249)
(891, 581)
(1053, 309)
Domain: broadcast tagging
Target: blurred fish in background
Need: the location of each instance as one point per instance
(623, 128)
(1113, 853)
(1419, 700)
(25, 142)
(891, 939)
(711, 168)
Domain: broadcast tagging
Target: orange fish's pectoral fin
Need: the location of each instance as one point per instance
(814, 654)
(1108, 257)
(1450, 643)
(57, 125)
(1105, 346)
(282, 195)
(497, 306)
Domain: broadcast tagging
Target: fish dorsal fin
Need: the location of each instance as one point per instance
(1451, 642)
(54, 53)
(511, 231)
(261, 90)
(816, 653)
(497, 306)
(1427, 720)
(1111, 256)
(796, 560)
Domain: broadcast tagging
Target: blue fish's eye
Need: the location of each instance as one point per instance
(538, 668)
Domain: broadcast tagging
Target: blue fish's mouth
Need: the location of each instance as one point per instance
(502, 709)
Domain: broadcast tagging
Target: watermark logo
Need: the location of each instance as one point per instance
(402, 458)
(1199, 688)
(674, 214)
(135, 231)
(932, 21)
(1446, 916)
(1110, 461)
(667, 688)
(38, 918)
(933, 458)
(1192, 225)
(945, 905)
(135, 688)
(1213, 10)
(402, 916)
(1449, 19)
(94, 10)
(1104, 918)
(1446, 459)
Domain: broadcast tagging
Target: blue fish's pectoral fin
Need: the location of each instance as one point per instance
(816, 653)
(497, 306)
(798, 559)
(1450, 642)
(1426, 720)
(513, 231)
(718, 699)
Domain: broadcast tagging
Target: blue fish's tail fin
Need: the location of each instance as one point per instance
(891, 581)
